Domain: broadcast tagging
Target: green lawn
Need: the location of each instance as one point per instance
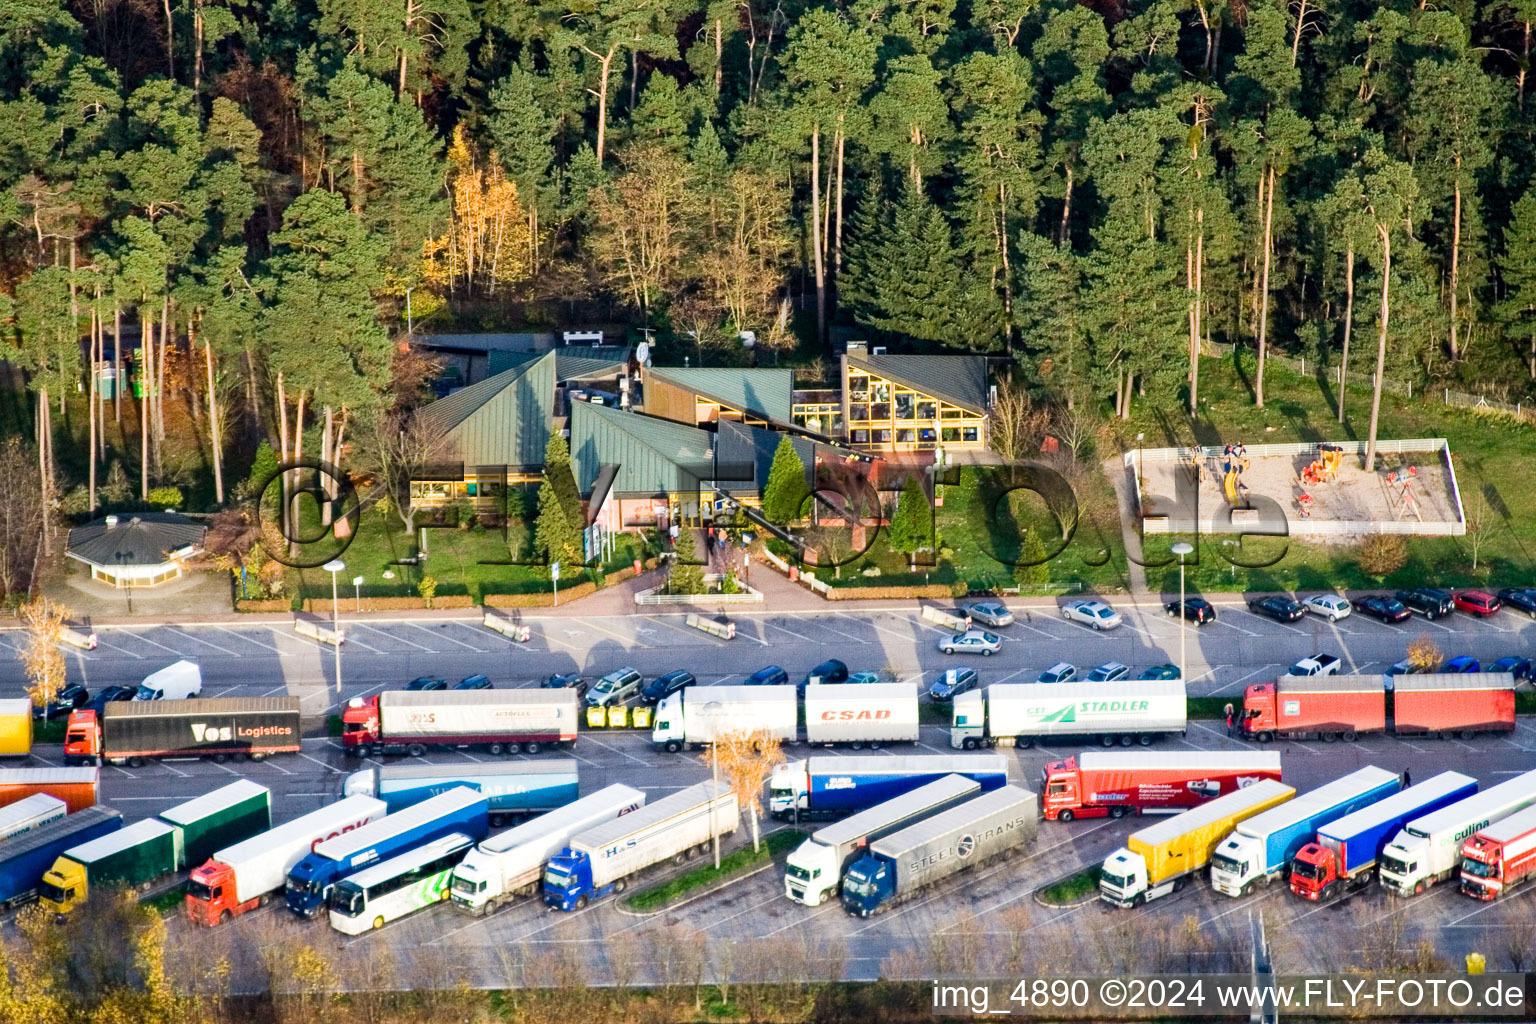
(1073, 887)
(659, 896)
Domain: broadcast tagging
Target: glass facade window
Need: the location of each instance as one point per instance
(859, 411)
(861, 437)
(969, 434)
(950, 433)
(882, 436)
(880, 392)
(927, 410)
(927, 435)
(858, 387)
(906, 435)
(905, 401)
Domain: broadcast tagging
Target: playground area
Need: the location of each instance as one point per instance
(1318, 489)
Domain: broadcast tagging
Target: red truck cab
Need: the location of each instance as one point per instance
(1062, 790)
(1482, 868)
(211, 894)
(82, 739)
(1314, 870)
(360, 724)
(1259, 715)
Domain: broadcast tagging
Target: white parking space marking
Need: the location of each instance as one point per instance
(444, 636)
(1272, 622)
(392, 636)
(140, 636)
(823, 625)
(183, 632)
(872, 623)
(250, 639)
(352, 638)
(774, 625)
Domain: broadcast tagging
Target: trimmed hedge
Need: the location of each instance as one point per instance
(322, 605)
(939, 591)
(280, 604)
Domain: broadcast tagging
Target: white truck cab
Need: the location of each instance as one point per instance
(1123, 880)
(786, 788)
(668, 728)
(812, 873)
(1237, 862)
(1404, 864)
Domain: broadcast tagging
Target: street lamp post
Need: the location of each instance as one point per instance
(333, 567)
(357, 593)
(1181, 549)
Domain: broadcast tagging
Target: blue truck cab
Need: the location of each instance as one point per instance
(869, 882)
(568, 881)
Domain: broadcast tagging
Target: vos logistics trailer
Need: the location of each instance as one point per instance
(865, 715)
(243, 876)
(828, 787)
(516, 788)
(510, 863)
(1094, 784)
(77, 787)
(25, 858)
(1346, 707)
(600, 860)
(815, 868)
(695, 715)
(496, 721)
(966, 835)
(1500, 857)
(1260, 849)
(1026, 713)
(310, 880)
(1160, 858)
(1428, 849)
(1346, 850)
(25, 815)
(220, 729)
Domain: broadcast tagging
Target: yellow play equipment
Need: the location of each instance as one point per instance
(1324, 468)
(1232, 482)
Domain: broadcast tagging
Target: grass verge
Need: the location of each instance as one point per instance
(50, 732)
(1073, 887)
(659, 896)
(333, 725)
(167, 902)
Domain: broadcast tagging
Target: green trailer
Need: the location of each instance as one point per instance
(133, 856)
(215, 820)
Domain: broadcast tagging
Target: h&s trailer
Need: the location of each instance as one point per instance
(77, 787)
(34, 812)
(1449, 704)
(600, 860)
(1260, 849)
(510, 863)
(860, 716)
(694, 716)
(814, 869)
(967, 835)
(1094, 784)
(311, 879)
(131, 856)
(1330, 707)
(24, 859)
(1346, 850)
(1023, 714)
(221, 729)
(1428, 849)
(496, 721)
(512, 788)
(1159, 859)
(1500, 857)
(228, 815)
(828, 787)
(15, 727)
(244, 876)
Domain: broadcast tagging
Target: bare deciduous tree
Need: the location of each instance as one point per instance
(1014, 424)
(23, 514)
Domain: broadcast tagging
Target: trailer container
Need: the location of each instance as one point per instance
(1260, 849)
(1160, 858)
(77, 787)
(509, 864)
(133, 856)
(814, 870)
(311, 879)
(15, 727)
(496, 721)
(1330, 707)
(1345, 851)
(694, 716)
(220, 729)
(829, 787)
(866, 715)
(228, 815)
(1023, 714)
(1094, 784)
(25, 859)
(601, 860)
(1428, 849)
(1459, 705)
(34, 812)
(1500, 857)
(244, 876)
(511, 789)
(965, 836)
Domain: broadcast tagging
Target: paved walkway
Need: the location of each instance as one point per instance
(1118, 474)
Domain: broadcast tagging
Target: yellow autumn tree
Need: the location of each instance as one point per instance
(42, 659)
(489, 241)
(746, 760)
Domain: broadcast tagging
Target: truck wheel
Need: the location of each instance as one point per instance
(874, 746)
(220, 758)
(620, 885)
(1145, 739)
(1138, 900)
(1465, 734)
(1106, 741)
(969, 743)
(223, 917)
(136, 762)
(1127, 740)
(494, 749)
(1327, 893)
(1350, 736)
(263, 899)
(581, 903)
(1264, 737)
(1117, 812)
(1328, 737)
(673, 746)
(513, 749)
(241, 758)
(856, 745)
(415, 750)
(498, 820)
(258, 757)
(532, 748)
(679, 859)
(1065, 816)
(1178, 884)
(1023, 742)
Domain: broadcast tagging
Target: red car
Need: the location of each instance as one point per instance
(1477, 602)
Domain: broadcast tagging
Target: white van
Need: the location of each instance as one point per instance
(176, 681)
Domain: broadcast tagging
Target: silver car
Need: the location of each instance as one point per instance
(972, 641)
(990, 613)
(1330, 606)
(1091, 613)
(614, 688)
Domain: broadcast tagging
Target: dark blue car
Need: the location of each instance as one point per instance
(1462, 663)
(1520, 668)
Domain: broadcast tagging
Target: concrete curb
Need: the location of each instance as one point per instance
(1062, 878)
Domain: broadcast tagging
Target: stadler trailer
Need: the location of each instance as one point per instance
(310, 880)
(509, 864)
(1346, 707)
(1260, 849)
(512, 789)
(77, 787)
(24, 859)
(496, 721)
(132, 856)
(1345, 851)
(221, 729)
(1500, 857)
(1160, 858)
(814, 869)
(244, 876)
(695, 715)
(865, 715)
(15, 727)
(966, 835)
(34, 812)
(1460, 705)
(1428, 849)
(600, 860)
(1094, 784)
(818, 788)
(1023, 714)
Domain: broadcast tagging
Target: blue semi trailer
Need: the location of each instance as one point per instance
(458, 810)
(511, 788)
(24, 859)
(829, 787)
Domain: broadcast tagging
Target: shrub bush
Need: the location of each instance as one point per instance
(1382, 554)
(165, 497)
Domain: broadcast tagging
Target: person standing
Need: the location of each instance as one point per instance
(1228, 710)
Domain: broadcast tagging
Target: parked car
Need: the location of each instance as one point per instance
(1330, 606)
(614, 688)
(566, 681)
(1518, 667)
(1060, 672)
(952, 683)
(427, 683)
(1430, 602)
(1196, 609)
(770, 675)
(478, 682)
(990, 613)
(665, 686)
(1461, 663)
(1380, 606)
(1317, 665)
(829, 671)
(110, 695)
(1091, 613)
(1164, 671)
(71, 698)
(1477, 602)
(1406, 667)
(863, 678)
(1277, 607)
(972, 641)
(1109, 672)
(1523, 598)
